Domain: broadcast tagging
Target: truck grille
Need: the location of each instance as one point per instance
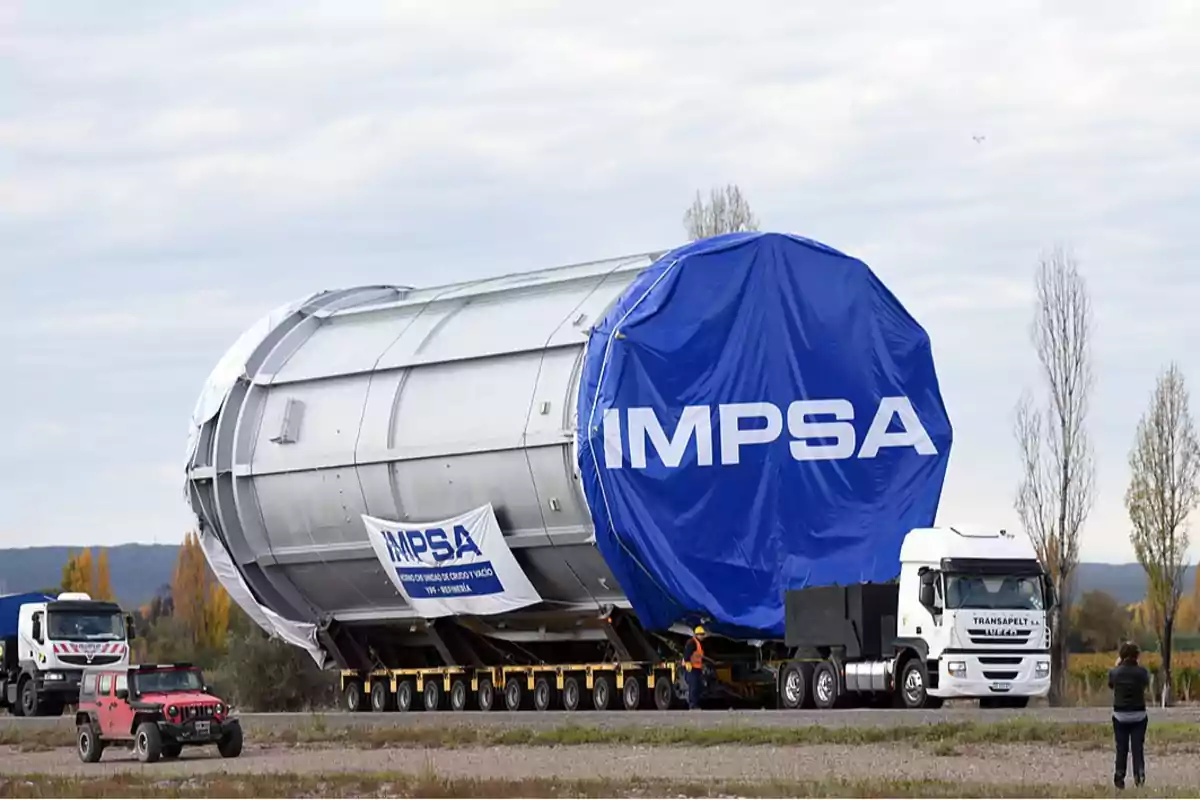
(1004, 675)
(1013, 637)
(1000, 661)
(84, 661)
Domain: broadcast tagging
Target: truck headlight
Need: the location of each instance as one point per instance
(1042, 669)
(957, 668)
(54, 676)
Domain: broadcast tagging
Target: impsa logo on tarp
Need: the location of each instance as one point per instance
(430, 546)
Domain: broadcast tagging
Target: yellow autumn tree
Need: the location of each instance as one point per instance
(201, 604)
(103, 583)
(77, 573)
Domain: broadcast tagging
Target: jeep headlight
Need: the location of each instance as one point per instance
(1042, 669)
(220, 708)
(54, 676)
(958, 669)
(172, 711)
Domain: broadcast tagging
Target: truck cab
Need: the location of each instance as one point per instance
(55, 640)
(977, 602)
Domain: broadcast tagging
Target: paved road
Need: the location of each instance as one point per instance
(624, 719)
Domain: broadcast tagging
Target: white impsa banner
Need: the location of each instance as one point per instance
(453, 566)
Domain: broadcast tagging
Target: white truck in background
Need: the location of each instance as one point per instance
(46, 642)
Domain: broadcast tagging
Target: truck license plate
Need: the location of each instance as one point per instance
(1001, 686)
(202, 728)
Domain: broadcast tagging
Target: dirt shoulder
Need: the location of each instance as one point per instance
(1001, 765)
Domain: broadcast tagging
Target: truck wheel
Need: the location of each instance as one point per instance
(601, 692)
(352, 696)
(90, 746)
(543, 694)
(825, 686)
(230, 745)
(571, 694)
(664, 693)
(459, 696)
(432, 695)
(171, 749)
(486, 696)
(793, 685)
(513, 694)
(31, 701)
(631, 693)
(381, 698)
(404, 695)
(147, 742)
(914, 680)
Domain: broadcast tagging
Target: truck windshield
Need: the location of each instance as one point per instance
(86, 626)
(168, 680)
(994, 592)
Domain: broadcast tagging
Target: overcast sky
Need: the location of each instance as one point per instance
(171, 171)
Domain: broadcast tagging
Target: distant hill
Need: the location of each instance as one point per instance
(136, 570)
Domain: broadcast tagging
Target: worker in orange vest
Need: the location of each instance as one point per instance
(693, 665)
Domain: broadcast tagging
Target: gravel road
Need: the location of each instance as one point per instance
(625, 719)
(1000, 764)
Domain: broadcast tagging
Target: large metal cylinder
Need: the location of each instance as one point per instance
(407, 405)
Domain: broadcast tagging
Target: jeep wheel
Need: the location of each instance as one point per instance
(230, 745)
(171, 749)
(90, 747)
(147, 742)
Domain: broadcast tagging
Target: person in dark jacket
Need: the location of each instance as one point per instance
(693, 665)
(1129, 680)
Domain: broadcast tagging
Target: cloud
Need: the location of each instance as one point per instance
(167, 174)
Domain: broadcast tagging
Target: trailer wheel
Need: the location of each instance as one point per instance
(432, 695)
(631, 692)
(486, 695)
(601, 692)
(352, 696)
(664, 692)
(571, 694)
(513, 694)
(914, 681)
(458, 695)
(825, 686)
(381, 698)
(404, 695)
(543, 694)
(794, 681)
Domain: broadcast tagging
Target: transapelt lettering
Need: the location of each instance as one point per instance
(756, 424)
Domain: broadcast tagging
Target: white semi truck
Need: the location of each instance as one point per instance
(967, 619)
(46, 642)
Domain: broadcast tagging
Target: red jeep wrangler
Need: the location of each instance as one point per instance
(158, 708)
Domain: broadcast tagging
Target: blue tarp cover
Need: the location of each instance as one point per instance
(719, 531)
(10, 607)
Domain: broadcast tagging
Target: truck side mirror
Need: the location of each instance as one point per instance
(37, 630)
(927, 595)
(130, 629)
(1051, 595)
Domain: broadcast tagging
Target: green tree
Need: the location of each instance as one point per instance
(1100, 622)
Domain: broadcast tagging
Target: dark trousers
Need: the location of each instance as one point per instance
(695, 683)
(1130, 734)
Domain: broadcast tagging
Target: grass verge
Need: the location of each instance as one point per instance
(430, 784)
(316, 731)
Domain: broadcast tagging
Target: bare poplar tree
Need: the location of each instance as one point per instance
(1055, 494)
(1164, 467)
(725, 212)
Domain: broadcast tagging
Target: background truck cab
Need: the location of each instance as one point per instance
(46, 642)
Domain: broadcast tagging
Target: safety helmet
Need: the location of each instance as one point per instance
(699, 631)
